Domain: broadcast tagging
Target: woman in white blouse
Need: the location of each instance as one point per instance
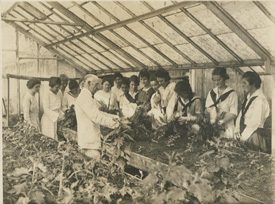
(70, 96)
(105, 96)
(166, 88)
(30, 106)
(222, 102)
(255, 110)
(53, 105)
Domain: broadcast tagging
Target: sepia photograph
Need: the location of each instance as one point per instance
(137, 102)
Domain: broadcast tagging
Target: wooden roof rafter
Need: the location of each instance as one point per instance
(136, 35)
(165, 20)
(203, 27)
(264, 10)
(80, 39)
(238, 29)
(100, 37)
(29, 35)
(119, 36)
(45, 31)
(157, 34)
(40, 21)
(135, 19)
(54, 37)
(209, 65)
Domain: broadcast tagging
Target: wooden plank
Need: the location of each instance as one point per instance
(228, 20)
(264, 10)
(40, 58)
(270, 68)
(100, 37)
(39, 21)
(273, 118)
(8, 109)
(22, 30)
(136, 35)
(17, 69)
(156, 33)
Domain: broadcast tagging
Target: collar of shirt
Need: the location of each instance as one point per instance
(225, 90)
(86, 91)
(258, 92)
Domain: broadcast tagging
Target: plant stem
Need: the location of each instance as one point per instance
(61, 179)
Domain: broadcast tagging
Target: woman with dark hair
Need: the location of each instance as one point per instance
(134, 82)
(53, 105)
(185, 108)
(255, 110)
(127, 103)
(70, 96)
(105, 96)
(144, 95)
(166, 88)
(222, 102)
(116, 89)
(30, 106)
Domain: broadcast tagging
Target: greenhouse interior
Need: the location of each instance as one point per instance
(146, 102)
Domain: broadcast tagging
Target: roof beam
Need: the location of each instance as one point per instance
(26, 33)
(228, 20)
(157, 34)
(264, 10)
(39, 21)
(136, 35)
(100, 37)
(132, 20)
(229, 64)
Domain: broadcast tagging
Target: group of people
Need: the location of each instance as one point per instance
(164, 100)
(56, 100)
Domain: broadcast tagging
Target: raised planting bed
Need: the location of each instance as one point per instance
(222, 164)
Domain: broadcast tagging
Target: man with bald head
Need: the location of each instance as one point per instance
(89, 117)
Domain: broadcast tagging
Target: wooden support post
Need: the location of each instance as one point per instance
(37, 57)
(270, 69)
(17, 71)
(8, 112)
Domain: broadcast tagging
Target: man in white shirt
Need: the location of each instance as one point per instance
(89, 118)
(254, 112)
